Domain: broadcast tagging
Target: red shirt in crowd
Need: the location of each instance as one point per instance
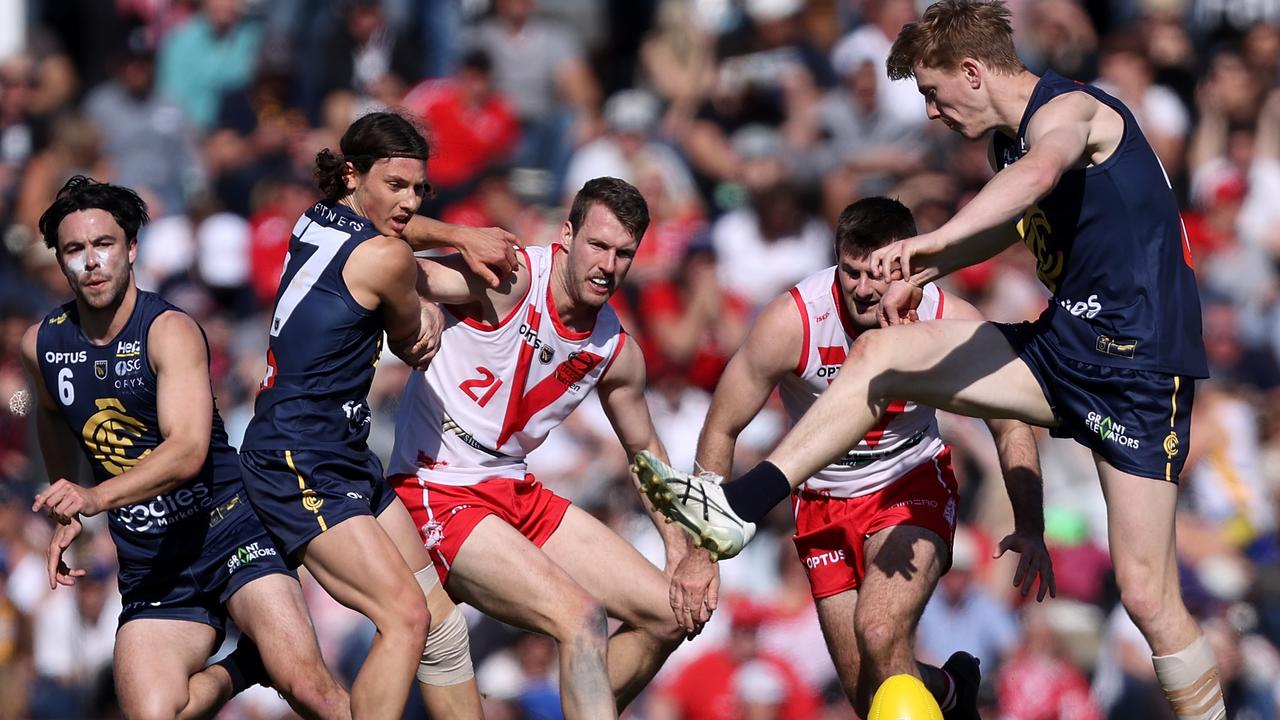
(466, 139)
(704, 689)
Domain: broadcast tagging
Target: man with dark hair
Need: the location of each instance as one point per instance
(894, 494)
(1112, 362)
(122, 377)
(514, 362)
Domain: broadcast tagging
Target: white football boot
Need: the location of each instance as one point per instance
(697, 503)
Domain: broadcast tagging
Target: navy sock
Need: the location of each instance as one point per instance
(754, 494)
(244, 665)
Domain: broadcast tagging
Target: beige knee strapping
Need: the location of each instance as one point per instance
(1189, 678)
(446, 660)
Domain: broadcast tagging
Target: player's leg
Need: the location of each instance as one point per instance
(959, 366)
(158, 670)
(272, 612)
(836, 616)
(360, 567)
(506, 576)
(632, 590)
(445, 674)
(902, 568)
(1140, 525)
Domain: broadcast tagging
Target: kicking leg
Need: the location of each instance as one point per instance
(960, 366)
(273, 613)
(158, 670)
(507, 577)
(1140, 524)
(445, 674)
(632, 590)
(360, 567)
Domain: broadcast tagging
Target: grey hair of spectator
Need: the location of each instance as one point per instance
(619, 197)
(371, 138)
(84, 193)
(871, 223)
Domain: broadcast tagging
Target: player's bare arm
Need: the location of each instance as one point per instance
(184, 405)
(695, 580)
(1020, 467)
(489, 252)
(60, 452)
(1060, 136)
(772, 349)
(382, 275)
(452, 281)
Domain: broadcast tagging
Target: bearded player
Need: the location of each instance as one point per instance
(513, 363)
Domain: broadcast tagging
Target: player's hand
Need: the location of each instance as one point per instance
(898, 304)
(431, 324)
(1034, 562)
(59, 573)
(897, 256)
(64, 500)
(489, 252)
(695, 590)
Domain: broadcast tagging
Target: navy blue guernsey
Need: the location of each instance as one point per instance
(1109, 244)
(107, 396)
(324, 345)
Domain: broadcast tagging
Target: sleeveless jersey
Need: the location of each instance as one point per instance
(492, 394)
(324, 345)
(106, 394)
(904, 437)
(1109, 244)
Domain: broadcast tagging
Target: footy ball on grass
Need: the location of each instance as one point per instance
(903, 697)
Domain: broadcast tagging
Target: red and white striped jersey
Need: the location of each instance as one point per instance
(905, 436)
(492, 394)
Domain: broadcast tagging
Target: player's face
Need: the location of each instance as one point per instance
(951, 98)
(95, 257)
(600, 254)
(390, 193)
(861, 292)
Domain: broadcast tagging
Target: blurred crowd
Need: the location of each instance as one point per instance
(748, 125)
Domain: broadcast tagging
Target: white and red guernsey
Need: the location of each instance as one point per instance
(492, 394)
(905, 436)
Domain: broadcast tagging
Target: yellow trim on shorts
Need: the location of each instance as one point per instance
(307, 493)
(1173, 414)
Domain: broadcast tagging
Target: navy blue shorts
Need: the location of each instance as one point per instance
(197, 570)
(302, 493)
(1138, 421)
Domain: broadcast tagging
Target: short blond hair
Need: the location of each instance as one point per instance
(952, 30)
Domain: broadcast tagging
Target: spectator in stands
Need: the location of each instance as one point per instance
(211, 53)
(472, 127)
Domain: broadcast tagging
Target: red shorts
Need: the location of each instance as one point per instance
(830, 531)
(446, 514)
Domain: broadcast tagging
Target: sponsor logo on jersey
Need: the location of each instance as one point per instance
(246, 554)
(1110, 430)
(357, 413)
(164, 510)
(109, 435)
(546, 355)
(100, 369)
(823, 559)
(831, 358)
(576, 366)
(128, 348)
(59, 320)
(66, 358)
(125, 368)
(1088, 308)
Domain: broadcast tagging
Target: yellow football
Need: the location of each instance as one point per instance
(903, 697)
